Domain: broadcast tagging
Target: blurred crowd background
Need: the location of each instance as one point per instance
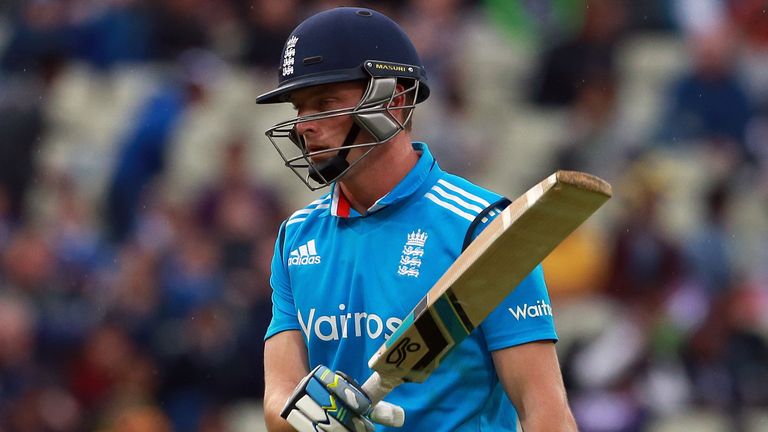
(139, 198)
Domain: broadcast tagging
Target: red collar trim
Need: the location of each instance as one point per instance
(340, 204)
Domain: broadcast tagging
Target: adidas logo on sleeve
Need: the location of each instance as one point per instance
(305, 254)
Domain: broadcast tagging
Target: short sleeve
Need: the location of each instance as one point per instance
(524, 316)
(283, 306)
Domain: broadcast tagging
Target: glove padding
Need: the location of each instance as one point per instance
(331, 401)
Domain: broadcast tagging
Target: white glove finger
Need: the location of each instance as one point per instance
(387, 414)
(300, 422)
(309, 416)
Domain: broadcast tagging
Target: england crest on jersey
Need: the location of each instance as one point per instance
(412, 253)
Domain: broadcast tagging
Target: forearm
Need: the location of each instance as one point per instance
(285, 364)
(547, 413)
(273, 405)
(536, 391)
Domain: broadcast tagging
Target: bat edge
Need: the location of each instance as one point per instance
(585, 181)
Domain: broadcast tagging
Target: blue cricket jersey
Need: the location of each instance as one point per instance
(346, 280)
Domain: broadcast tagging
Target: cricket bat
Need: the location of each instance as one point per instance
(506, 251)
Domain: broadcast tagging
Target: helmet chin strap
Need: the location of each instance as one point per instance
(329, 170)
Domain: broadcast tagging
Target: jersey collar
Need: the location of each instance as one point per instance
(408, 185)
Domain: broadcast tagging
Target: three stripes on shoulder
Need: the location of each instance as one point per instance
(458, 200)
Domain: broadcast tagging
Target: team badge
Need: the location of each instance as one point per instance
(289, 57)
(413, 251)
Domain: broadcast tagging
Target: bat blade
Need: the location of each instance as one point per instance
(507, 250)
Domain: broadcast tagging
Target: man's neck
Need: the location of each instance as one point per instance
(380, 174)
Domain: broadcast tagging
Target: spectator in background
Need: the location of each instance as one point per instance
(459, 145)
(708, 103)
(28, 265)
(650, 16)
(41, 34)
(138, 418)
(708, 251)
(177, 27)
(727, 358)
(644, 270)
(238, 211)
(750, 20)
(646, 263)
(45, 408)
(65, 254)
(191, 277)
(268, 24)
(106, 356)
(436, 27)
(40, 43)
(217, 239)
(110, 374)
(243, 214)
(74, 237)
(142, 155)
(143, 149)
(22, 127)
(17, 350)
(116, 32)
(192, 289)
(586, 56)
(597, 139)
(133, 300)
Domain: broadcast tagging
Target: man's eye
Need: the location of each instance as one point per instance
(326, 103)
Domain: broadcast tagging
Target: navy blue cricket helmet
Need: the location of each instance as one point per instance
(334, 46)
(341, 45)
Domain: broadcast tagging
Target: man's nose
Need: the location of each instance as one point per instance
(306, 127)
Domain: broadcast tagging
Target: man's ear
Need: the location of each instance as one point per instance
(400, 100)
(404, 89)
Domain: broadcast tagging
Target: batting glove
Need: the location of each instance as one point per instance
(327, 401)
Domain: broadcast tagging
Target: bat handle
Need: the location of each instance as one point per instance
(376, 388)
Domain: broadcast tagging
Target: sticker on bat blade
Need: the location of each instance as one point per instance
(432, 336)
(405, 326)
(462, 314)
(424, 343)
(401, 350)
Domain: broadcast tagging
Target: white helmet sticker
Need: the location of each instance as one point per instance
(290, 55)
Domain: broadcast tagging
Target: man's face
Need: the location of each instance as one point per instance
(331, 132)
